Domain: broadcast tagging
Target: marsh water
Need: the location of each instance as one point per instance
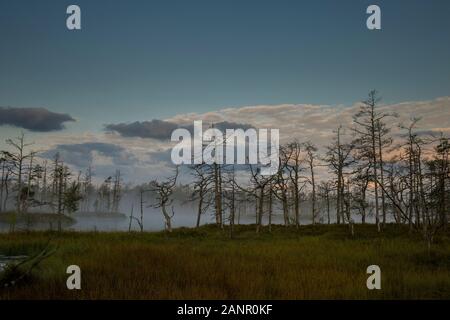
(185, 216)
(5, 260)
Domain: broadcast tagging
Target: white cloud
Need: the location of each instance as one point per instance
(295, 121)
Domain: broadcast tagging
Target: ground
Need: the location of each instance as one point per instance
(313, 262)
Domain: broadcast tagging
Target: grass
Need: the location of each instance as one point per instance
(314, 262)
(35, 217)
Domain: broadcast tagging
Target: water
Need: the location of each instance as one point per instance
(185, 216)
(5, 260)
(153, 221)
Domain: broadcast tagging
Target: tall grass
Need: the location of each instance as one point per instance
(314, 262)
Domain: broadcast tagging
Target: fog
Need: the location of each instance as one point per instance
(185, 215)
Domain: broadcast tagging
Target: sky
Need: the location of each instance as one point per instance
(145, 60)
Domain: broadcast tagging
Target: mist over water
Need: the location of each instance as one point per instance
(185, 216)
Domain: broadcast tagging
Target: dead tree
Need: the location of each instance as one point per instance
(202, 186)
(131, 219)
(270, 204)
(441, 166)
(281, 185)
(325, 190)
(361, 180)
(140, 220)
(164, 192)
(116, 192)
(88, 189)
(371, 132)
(339, 158)
(311, 160)
(383, 141)
(293, 164)
(416, 191)
(230, 191)
(18, 156)
(5, 160)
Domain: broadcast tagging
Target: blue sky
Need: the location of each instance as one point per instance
(136, 60)
(299, 66)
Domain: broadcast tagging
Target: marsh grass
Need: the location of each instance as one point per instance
(314, 262)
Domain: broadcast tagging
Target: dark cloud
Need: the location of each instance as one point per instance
(81, 154)
(224, 125)
(162, 130)
(157, 129)
(33, 119)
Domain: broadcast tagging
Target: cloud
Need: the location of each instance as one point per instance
(224, 125)
(83, 155)
(141, 158)
(33, 119)
(316, 123)
(160, 156)
(157, 129)
(162, 130)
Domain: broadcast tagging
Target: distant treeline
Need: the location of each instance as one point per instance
(405, 180)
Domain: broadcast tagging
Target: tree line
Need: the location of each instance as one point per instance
(365, 172)
(403, 179)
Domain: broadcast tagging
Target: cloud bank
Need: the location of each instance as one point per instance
(34, 119)
(162, 129)
(141, 150)
(156, 129)
(316, 123)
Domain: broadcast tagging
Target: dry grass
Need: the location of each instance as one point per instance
(315, 262)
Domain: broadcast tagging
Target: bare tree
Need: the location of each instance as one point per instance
(18, 157)
(260, 190)
(339, 158)
(440, 166)
(6, 165)
(88, 189)
(230, 191)
(116, 192)
(164, 192)
(293, 164)
(311, 156)
(361, 182)
(325, 193)
(281, 185)
(371, 132)
(202, 189)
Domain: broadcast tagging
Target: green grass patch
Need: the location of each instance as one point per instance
(312, 262)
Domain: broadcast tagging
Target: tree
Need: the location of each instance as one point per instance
(440, 168)
(371, 132)
(6, 168)
(260, 191)
(116, 192)
(72, 196)
(164, 192)
(339, 157)
(311, 150)
(202, 189)
(292, 161)
(18, 158)
(88, 189)
(361, 182)
(281, 188)
(383, 142)
(230, 197)
(325, 190)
